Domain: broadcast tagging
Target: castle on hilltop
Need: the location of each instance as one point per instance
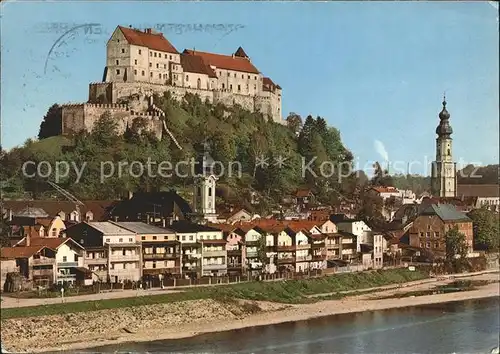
(142, 63)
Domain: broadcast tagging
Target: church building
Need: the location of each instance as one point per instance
(444, 171)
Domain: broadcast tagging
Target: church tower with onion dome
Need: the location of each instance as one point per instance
(444, 173)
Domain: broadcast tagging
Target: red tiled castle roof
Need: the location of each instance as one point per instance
(155, 41)
(227, 62)
(195, 64)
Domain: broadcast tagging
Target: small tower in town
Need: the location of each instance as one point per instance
(444, 174)
(204, 187)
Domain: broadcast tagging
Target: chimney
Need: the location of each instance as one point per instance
(148, 30)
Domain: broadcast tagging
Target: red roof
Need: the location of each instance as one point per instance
(19, 252)
(303, 193)
(385, 189)
(195, 64)
(269, 85)
(49, 242)
(227, 62)
(154, 41)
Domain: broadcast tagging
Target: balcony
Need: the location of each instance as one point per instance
(67, 264)
(303, 258)
(234, 252)
(194, 256)
(252, 254)
(43, 261)
(234, 265)
(96, 261)
(218, 253)
(333, 245)
(286, 248)
(43, 273)
(318, 257)
(214, 266)
(303, 247)
(160, 256)
(66, 277)
(126, 258)
(285, 260)
(318, 245)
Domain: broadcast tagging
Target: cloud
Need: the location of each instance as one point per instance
(380, 148)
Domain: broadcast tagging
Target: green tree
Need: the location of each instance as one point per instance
(294, 122)
(52, 123)
(456, 250)
(486, 229)
(262, 252)
(5, 229)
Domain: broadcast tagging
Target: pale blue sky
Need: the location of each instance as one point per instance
(374, 70)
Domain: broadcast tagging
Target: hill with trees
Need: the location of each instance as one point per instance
(233, 133)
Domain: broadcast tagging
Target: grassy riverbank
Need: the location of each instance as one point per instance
(289, 292)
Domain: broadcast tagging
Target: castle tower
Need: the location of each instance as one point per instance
(204, 187)
(444, 175)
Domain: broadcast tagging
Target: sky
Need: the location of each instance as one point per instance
(377, 71)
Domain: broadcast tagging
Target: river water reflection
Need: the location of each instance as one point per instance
(460, 327)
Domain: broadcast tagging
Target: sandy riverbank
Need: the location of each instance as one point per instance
(189, 318)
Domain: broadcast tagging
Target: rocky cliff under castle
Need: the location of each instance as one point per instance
(142, 63)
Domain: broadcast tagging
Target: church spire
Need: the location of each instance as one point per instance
(444, 128)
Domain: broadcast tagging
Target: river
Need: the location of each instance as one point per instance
(460, 327)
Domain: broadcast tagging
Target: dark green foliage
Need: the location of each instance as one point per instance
(486, 229)
(233, 133)
(52, 123)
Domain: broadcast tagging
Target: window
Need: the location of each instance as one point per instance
(151, 74)
(154, 264)
(131, 240)
(150, 65)
(135, 61)
(124, 252)
(117, 71)
(448, 152)
(209, 191)
(135, 72)
(428, 235)
(65, 259)
(242, 76)
(255, 77)
(239, 88)
(164, 66)
(117, 62)
(140, 51)
(157, 65)
(234, 74)
(120, 240)
(170, 57)
(190, 237)
(165, 237)
(255, 87)
(150, 54)
(248, 77)
(223, 87)
(428, 245)
(436, 245)
(231, 87)
(183, 237)
(143, 73)
(123, 50)
(154, 237)
(107, 240)
(159, 76)
(165, 56)
(155, 54)
(187, 77)
(143, 238)
(54, 232)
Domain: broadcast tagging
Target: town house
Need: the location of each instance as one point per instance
(293, 250)
(356, 227)
(35, 263)
(430, 227)
(203, 248)
(111, 252)
(68, 266)
(235, 247)
(161, 251)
